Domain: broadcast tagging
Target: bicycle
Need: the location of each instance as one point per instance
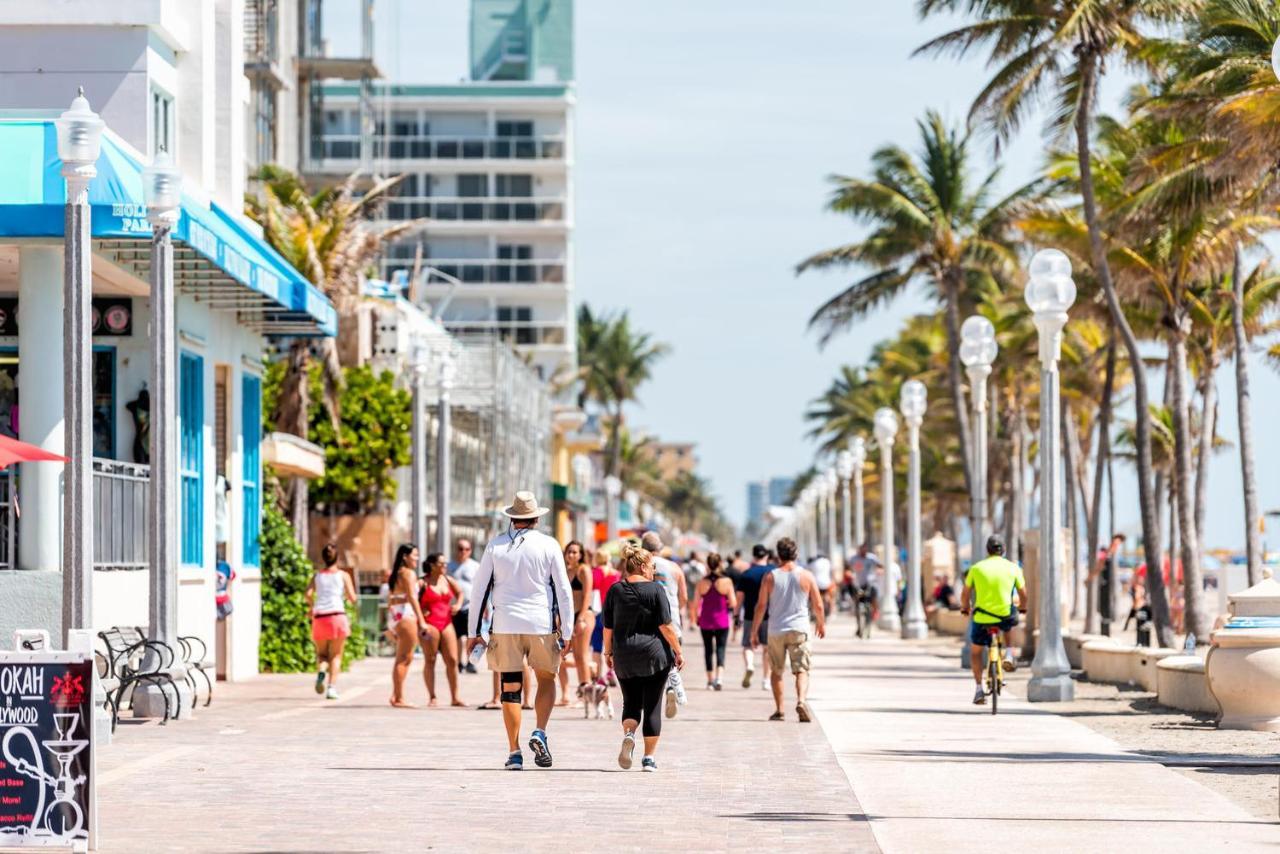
(995, 666)
(864, 611)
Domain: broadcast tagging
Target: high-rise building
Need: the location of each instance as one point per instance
(487, 180)
(755, 502)
(780, 490)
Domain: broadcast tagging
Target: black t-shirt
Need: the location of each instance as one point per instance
(749, 586)
(634, 611)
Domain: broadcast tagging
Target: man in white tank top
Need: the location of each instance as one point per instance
(790, 596)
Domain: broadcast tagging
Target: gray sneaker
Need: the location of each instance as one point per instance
(628, 748)
(648, 764)
(979, 696)
(515, 762)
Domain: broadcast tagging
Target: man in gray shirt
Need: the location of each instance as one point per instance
(790, 596)
(463, 569)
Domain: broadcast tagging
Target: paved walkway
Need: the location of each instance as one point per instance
(900, 762)
(935, 773)
(270, 767)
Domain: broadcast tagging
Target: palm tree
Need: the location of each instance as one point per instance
(328, 238)
(615, 360)
(931, 225)
(1063, 46)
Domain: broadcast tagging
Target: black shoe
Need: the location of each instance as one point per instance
(471, 668)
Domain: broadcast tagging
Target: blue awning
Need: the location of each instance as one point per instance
(219, 258)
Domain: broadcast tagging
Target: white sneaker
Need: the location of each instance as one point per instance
(672, 702)
(331, 694)
(676, 683)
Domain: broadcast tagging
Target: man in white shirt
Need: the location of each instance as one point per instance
(532, 619)
(667, 573)
(820, 568)
(463, 569)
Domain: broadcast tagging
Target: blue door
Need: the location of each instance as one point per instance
(251, 437)
(191, 456)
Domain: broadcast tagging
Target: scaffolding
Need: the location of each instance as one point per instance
(315, 66)
(500, 436)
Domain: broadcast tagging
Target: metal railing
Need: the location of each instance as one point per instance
(476, 209)
(522, 333)
(120, 495)
(8, 519)
(346, 146)
(491, 271)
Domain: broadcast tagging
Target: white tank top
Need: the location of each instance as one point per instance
(330, 592)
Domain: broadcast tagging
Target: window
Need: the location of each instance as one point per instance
(514, 272)
(512, 322)
(264, 123)
(191, 456)
(473, 186)
(515, 128)
(162, 122)
(514, 186)
(251, 437)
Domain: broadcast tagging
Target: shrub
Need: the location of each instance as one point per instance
(285, 645)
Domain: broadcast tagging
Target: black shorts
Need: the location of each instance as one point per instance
(979, 634)
(460, 622)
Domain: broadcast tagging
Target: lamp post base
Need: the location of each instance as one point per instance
(915, 629)
(150, 701)
(1051, 689)
(889, 622)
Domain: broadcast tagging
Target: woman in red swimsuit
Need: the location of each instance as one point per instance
(440, 598)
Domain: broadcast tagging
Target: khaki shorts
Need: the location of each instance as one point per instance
(795, 644)
(508, 653)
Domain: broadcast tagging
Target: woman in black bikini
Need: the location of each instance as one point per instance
(580, 580)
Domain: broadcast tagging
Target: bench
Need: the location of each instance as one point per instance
(195, 657)
(126, 665)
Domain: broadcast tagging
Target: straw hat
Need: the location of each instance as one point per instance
(525, 507)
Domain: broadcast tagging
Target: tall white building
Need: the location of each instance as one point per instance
(488, 179)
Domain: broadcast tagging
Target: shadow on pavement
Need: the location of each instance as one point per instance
(796, 816)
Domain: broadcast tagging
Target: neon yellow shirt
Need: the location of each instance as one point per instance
(993, 581)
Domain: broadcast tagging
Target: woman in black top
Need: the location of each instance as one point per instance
(640, 646)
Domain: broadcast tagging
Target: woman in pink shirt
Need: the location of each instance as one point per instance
(713, 603)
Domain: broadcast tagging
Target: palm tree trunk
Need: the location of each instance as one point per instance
(1098, 252)
(1249, 477)
(1208, 426)
(1197, 620)
(952, 321)
(1099, 471)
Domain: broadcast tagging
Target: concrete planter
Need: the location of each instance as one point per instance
(1075, 647)
(952, 623)
(1181, 684)
(1108, 661)
(1243, 665)
(1144, 663)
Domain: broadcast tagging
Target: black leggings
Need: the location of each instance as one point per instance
(714, 640)
(642, 700)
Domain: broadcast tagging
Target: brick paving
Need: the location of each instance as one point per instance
(272, 767)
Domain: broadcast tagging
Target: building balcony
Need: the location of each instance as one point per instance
(532, 210)
(522, 333)
(339, 147)
(483, 271)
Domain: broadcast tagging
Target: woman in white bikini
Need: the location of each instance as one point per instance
(404, 618)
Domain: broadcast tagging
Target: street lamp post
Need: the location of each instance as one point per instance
(859, 451)
(913, 400)
(886, 426)
(448, 370)
(633, 504)
(79, 132)
(978, 351)
(581, 464)
(1050, 292)
(844, 470)
(162, 191)
(612, 489)
(833, 494)
(418, 482)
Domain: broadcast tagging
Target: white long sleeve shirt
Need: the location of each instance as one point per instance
(530, 584)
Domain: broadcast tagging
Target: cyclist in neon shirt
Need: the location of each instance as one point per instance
(988, 592)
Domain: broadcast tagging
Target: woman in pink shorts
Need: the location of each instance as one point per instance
(329, 591)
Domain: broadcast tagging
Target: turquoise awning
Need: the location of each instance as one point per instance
(220, 260)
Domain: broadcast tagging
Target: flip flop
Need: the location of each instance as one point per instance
(777, 716)
(488, 707)
(802, 711)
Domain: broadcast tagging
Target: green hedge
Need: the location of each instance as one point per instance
(285, 645)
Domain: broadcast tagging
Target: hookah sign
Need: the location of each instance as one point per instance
(46, 761)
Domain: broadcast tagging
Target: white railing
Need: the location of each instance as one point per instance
(486, 271)
(346, 146)
(476, 209)
(518, 332)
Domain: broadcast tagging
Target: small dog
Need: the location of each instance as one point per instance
(595, 695)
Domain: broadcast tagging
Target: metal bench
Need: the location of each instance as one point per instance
(195, 655)
(127, 665)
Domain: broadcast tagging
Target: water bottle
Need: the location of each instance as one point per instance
(1190, 646)
(477, 653)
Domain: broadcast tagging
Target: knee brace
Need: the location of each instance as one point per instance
(513, 678)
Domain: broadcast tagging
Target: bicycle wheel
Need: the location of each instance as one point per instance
(993, 680)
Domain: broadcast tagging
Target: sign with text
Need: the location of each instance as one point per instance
(46, 721)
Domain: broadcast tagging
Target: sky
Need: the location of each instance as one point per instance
(705, 135)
